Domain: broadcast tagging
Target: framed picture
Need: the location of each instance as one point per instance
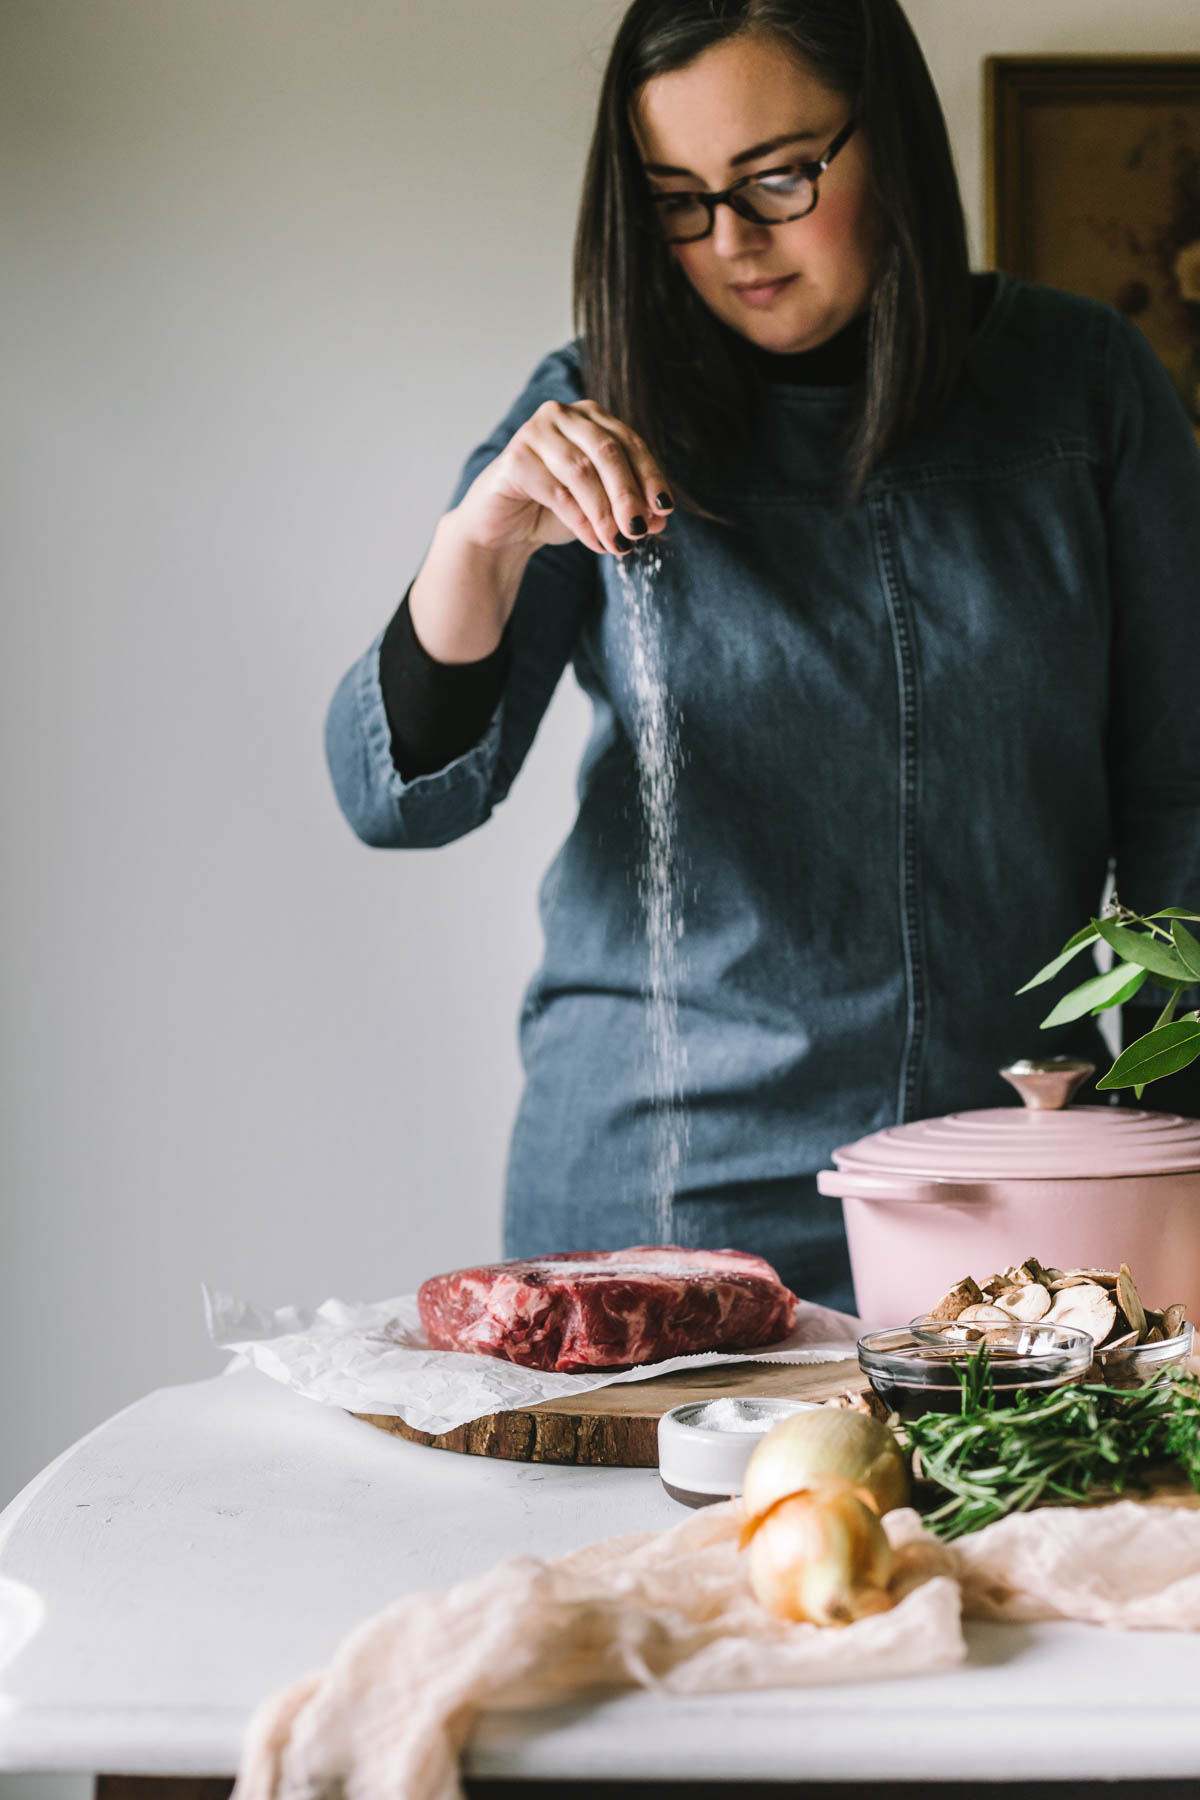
(1094, 186)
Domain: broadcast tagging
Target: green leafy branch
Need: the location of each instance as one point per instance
(1142, 948)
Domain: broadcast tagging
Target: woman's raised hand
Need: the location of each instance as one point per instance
(571, 471)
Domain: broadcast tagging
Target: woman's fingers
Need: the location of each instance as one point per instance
(610, 449)
(589, 475)
(653, 497)
(591, 481)
(568, 500)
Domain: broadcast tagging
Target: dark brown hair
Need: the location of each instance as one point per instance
(655, 356)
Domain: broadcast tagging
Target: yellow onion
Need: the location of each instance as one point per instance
(828, 1441)
(820, 1555)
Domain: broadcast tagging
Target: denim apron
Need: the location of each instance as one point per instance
(913, 737)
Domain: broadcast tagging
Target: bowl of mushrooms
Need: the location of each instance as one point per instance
(1131, 1340)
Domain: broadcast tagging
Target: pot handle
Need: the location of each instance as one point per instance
(1048, 1086)
(849, 1184)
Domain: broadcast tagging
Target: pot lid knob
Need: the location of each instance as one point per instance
(1047, 1086)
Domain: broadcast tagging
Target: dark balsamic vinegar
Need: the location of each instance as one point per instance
(934, 1386)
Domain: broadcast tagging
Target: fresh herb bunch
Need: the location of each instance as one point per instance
(1059, 1445)
(1171, 953)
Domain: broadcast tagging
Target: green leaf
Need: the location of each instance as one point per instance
(1150, 953)
(1136, 978)
(1173, 912)
(1102, 991)
(1085, 935)
(1089, 935)
(1139, 1088)
(1187, 946)
(1163, 1051)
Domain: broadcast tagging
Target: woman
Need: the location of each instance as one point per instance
(920, 550)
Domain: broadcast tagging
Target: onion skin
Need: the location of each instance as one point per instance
(831, 1441)
(820, 1556)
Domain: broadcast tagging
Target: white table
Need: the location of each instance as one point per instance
(214, 1541)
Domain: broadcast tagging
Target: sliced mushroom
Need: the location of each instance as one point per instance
(1105, 1278)
(965, 1293)
(1122, 1342)
(984, 1315)
(958, 1333)
(1131, 1304)
(1174, 1319)
(1084, 1308)
(1154, 1336)
(1029, 1302)
(1080, 1293)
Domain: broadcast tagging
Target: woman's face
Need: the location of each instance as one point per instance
(699, 122)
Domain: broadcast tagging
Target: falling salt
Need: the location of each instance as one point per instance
(657, 745)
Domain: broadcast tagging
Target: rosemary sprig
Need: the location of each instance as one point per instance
(1060, 1445)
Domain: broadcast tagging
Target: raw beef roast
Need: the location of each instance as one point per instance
(602, 1309)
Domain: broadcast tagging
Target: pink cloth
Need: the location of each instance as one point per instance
(673, 1611)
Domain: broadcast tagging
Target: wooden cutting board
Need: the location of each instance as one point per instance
(619, 1425)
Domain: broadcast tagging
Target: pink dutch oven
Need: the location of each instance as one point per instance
(972, 1192)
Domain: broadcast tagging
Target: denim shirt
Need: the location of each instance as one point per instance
(913, 737)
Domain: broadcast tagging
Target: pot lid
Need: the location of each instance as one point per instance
(1043, 1139)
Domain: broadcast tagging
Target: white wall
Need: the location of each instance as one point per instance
(277, 265)
(273, 267)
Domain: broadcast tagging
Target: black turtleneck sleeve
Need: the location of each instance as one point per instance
(436, 711)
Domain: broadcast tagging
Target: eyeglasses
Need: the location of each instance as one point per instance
(770, 197)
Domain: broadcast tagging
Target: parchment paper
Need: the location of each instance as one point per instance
(374, 1357)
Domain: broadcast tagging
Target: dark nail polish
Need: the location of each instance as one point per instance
(664, 500)
(621, 541)
(638, 526)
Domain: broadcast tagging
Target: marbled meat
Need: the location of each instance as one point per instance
(602, 1309)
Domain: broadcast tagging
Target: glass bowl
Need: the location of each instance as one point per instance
(1139, 1363)
(1132, 1365)
(915, 1369)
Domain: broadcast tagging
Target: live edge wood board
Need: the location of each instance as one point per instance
(619, 1425)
